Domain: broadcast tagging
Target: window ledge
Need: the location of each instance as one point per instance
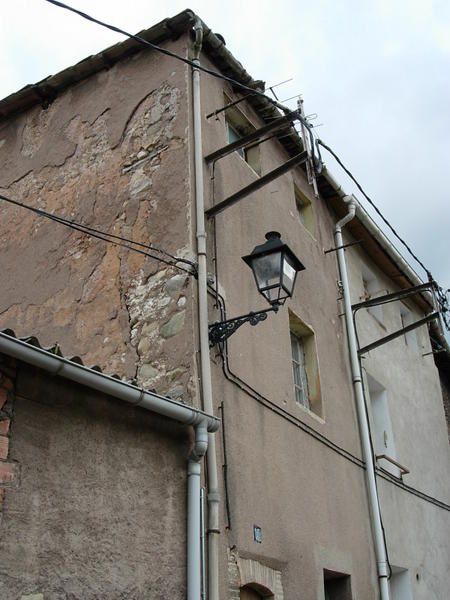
(310, 412)
(403, 470)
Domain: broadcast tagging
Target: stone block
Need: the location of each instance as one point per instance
(3, 397)
(148, 372)
(175, 284)
(7, 472)
(4, 426)
(4, 445)
(173, 326)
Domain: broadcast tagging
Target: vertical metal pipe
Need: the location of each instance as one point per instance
(202, 534)
(193, 532)
(213, 497)
(372, 492)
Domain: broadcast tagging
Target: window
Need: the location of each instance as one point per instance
(372, 289)
(238, 126)
(233, 136)
(305, 211)
(337, 586)
(406, 317)
(382, 436)
(305, 369)
(299, 370)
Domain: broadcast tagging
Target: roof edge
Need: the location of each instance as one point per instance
(93, 379)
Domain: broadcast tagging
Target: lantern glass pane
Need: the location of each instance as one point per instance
(289, 273)
(267, 270)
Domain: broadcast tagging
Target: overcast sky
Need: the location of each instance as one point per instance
(375, 71)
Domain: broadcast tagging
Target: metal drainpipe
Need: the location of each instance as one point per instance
(213, 497)
(377, 529)
(194, 562)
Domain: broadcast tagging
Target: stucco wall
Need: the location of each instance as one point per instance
(417, 531)
(309, 501)
(111, 152)
(98, 508)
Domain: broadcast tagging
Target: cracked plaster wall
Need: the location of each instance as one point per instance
(111, 152)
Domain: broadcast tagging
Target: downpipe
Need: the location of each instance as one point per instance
(213, 497)
(366, 446)
(194, 533)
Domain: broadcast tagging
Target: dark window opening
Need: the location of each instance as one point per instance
(336, 585)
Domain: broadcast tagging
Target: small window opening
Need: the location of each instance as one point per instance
(382, 436)
(299, 369)
(305, 211)
(337, 586)
(238, 126)
(305, 369)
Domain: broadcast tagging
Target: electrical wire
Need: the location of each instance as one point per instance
(376, 209)
(442, 295)
(248, 389)
(192, 63)
(187, 61)
(443, 298)
(106, 237)
(251, 392)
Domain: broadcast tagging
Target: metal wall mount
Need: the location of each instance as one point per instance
(222, 330)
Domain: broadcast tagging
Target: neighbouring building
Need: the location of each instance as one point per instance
(94, 491)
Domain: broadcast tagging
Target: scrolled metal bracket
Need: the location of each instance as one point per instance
(221, 330)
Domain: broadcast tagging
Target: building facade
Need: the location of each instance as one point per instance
(111, 143)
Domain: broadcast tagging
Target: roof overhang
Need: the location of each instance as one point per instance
(30, 352)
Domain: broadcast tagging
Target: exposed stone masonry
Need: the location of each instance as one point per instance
(9, 470)
(108, 305)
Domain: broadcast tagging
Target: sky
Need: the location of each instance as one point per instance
(376, 73)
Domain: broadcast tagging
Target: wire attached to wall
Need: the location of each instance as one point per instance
(442, 295)
(111, 238)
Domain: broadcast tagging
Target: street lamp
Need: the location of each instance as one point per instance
(275, 269)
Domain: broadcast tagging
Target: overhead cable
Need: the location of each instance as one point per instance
(108, 237)
(441, 294)
(376, 209)
(187, 61)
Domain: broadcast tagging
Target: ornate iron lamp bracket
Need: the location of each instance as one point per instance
(221, 330)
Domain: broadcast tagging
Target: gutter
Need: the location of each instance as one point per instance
(363, 425)
(205, 425)
(366, 220)
(213, 496)
(57, 365)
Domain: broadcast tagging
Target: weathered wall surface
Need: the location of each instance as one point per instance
(309, 501)
(110, 152)
(96, 508)
(417, 531)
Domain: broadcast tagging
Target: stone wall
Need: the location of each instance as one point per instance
(9, 470)
(111, 152)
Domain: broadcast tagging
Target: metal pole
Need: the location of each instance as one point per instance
(213, 497)
(372, 492)
(193, 532)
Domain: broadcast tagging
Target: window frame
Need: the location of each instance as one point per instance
(301, 385)
(305, 211)
(240, 125)
(298, 330)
